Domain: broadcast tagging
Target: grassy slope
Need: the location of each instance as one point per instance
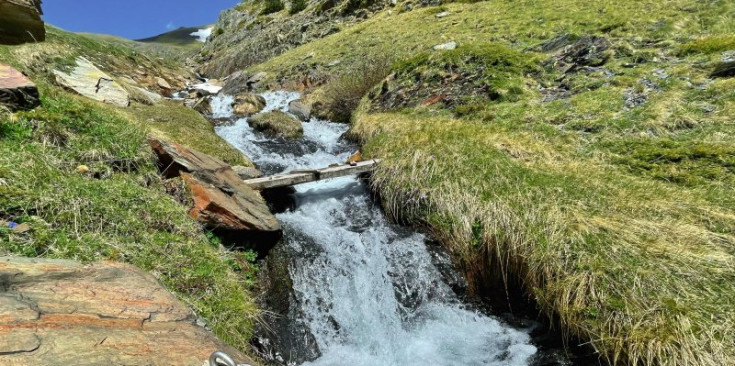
(618, 221)
(120, 210)
(177, 49)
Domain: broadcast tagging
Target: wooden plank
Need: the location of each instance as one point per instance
(307, 176)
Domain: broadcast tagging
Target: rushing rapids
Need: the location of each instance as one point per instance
(367, 292)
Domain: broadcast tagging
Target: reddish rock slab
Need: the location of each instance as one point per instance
(17, 92)
(221, 199)
(55, 312)
(20, 22)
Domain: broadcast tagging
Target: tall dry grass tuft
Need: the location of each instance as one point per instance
(635, 267)
(343, 94)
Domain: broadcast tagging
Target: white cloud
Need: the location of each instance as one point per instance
(202, 34)
(170, 26)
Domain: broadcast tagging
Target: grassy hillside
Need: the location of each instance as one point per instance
(611, 205)
(118, 208)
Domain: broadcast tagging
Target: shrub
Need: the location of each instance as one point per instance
(297, 6)
(343, 94)
(273, 6)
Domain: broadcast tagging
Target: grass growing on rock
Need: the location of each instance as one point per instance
(117, 208)
(612, 204)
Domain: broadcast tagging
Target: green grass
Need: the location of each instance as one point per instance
(617, 220)
(120, 209)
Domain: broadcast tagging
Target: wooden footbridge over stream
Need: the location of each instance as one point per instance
(312, 175)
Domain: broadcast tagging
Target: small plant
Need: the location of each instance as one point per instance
(344, 93)
(297, 6)
(273, 6)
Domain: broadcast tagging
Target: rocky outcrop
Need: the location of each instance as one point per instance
(91, 82)
(586, 51)
(244, 36)
(724, 70)
(56, 312)
(221, 199)
(277, 124)
(17, 92)
(20, 22)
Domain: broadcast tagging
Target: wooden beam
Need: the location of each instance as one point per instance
(307, 176)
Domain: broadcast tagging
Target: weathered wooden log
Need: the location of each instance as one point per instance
(307, 176)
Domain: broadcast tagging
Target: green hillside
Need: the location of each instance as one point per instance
(82, 176)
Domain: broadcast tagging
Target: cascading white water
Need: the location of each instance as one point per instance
(367, 290)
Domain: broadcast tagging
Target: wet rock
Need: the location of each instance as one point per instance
(221, 199)
(17, 92)
(56, 312)
(586, 51)
(724, 70)
(248, 104)
(445, 46)
(203, 106)
(300, 109)
(89, 81)
(277, 124)
(20, 22)
(246, 172)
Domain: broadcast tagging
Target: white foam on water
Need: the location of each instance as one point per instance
(369, 293)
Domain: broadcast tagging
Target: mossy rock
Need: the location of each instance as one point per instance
(277, 124)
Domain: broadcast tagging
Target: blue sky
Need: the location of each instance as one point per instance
(132, 19)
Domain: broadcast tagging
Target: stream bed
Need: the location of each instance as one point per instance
(358, 289)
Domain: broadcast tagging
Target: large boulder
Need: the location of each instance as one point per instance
(248, 104)
(17, 92)
(91, 82)
(221, 199)
(586, 51)
(20, 22)
(56, 312)
(300, 109)
(277, 124)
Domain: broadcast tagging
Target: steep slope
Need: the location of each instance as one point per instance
(82, 178)
(578, 150)
(257, 30)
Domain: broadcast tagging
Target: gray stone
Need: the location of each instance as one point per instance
(300, 109)
(443, 14)
(446, 46)
(150, 97)
(91, 82)
(246, 173)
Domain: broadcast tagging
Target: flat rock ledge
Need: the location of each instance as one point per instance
(221, 199)
(91, 82)
(57, 312)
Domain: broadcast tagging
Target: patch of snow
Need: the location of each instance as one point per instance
(202, 34)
